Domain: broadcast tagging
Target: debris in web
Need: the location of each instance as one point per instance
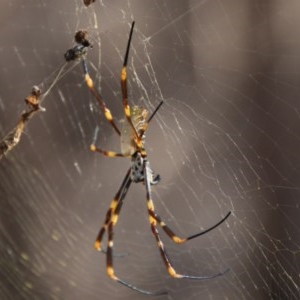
(88, 2)
(14, 136)
(79, 51)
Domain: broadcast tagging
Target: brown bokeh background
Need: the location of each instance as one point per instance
(227, 138)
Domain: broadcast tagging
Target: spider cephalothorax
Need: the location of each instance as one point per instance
(129, 138)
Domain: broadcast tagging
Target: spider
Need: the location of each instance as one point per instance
(132, 138)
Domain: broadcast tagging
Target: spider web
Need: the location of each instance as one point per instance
(226, 139)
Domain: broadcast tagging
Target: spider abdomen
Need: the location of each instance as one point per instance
(138, 170)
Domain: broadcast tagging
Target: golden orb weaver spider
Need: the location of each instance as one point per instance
(132, 146)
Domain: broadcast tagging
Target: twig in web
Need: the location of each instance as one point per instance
(32, 101)
(13, 137)
(36, 96)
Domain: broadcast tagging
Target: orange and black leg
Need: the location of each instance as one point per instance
(107, 153)
(153, 223)
(176, 238)
(90, 84)
(94, 148)
(124, 85)
(110, 221)
(113, 210)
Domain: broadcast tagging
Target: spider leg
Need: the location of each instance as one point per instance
(176, 238)
(153, 223)
(124, 86)
(90, 84)
(109, 261)
(107, 153)
(110, 221)
(94, 148)
(138, 137)
(109, 258)
(155, 111)
(111, 213)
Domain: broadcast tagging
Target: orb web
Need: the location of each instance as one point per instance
(226, 139)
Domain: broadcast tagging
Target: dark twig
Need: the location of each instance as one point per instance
(14, 136)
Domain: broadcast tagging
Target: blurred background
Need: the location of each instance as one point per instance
(226, 139)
